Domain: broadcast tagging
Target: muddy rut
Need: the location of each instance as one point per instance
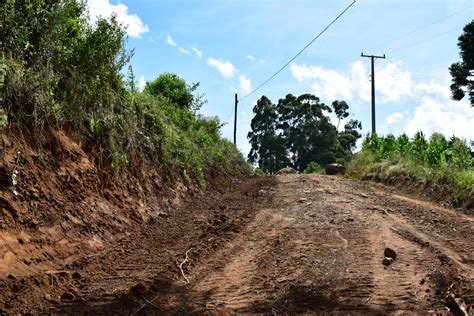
(289, 244)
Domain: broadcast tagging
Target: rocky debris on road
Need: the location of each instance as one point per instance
(334, 168)
(389, 256)
(287, 170)
(456, 305)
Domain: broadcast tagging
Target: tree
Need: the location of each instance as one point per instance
(348, 138)
(462, 72)
(309, 133)
(173, 87)
(268, 148)
(298, 131)
(340, 109)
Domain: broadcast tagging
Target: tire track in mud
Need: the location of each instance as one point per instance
(315, 246)
(320, 248)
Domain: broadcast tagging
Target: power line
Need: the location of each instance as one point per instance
(423, 27)
(299, 53)
(423, 41)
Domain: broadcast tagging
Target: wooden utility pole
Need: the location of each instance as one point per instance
(372, 58)
(235, 120)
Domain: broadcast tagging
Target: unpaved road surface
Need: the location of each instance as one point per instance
(286, 244)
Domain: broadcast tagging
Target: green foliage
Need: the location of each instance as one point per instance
(268, 149)
(56, 68)
(436, 160)
(296, 131)
(313, 167)
(258, 171)
(177, 91)
(462, 71)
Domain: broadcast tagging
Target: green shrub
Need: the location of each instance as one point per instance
(56, 68)
(313, 167)
(433, 161)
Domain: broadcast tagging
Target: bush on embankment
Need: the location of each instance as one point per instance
(445, 167)
(57, 70)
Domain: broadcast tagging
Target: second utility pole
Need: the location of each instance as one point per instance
(235, 120)
(372, 57)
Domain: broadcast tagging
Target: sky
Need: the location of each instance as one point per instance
(234, 46)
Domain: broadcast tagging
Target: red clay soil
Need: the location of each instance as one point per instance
(72, 243)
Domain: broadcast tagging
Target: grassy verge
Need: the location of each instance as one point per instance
(442, 167)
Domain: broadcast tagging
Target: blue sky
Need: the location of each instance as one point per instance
(233, 46)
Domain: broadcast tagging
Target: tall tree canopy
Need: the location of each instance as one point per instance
(268, 149)
(462, 72)
(297, 131)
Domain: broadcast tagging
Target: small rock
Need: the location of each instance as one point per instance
(76, 276)
(350, 219)
(11, 277)
(390, 253)
(63, 274)
(303, 200)
(287, 170)
(387, 261)
(456, 305)
(334, 168)
(67, 296)
(137, 289)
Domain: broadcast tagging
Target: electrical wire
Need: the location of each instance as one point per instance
(423, 41)
(423, 27)
(299, 53)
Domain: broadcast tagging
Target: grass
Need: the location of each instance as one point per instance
(434, 162)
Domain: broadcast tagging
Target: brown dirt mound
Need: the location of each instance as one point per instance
(65, 209)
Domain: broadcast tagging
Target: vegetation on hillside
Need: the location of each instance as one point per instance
(298, 132)
(436, 160)
(58, 70)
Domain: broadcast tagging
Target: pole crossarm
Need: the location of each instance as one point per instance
(372, 56)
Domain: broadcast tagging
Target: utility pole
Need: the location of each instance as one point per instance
(372, 58)
(235, 120)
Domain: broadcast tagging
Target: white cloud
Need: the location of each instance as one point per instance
(184, 51)
(391, 82)
(442, 115)
(245, 85)
(261, 61)
(197, 52)
(437, 112)
(141, 83)
(327, 83)
(103, 8)
(394, 118)
(250, 57)
(170, 41)
(225, 68)
(435, 89)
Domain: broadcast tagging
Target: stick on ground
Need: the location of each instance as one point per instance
(183, 262)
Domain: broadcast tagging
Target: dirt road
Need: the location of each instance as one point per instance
(289, 244)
